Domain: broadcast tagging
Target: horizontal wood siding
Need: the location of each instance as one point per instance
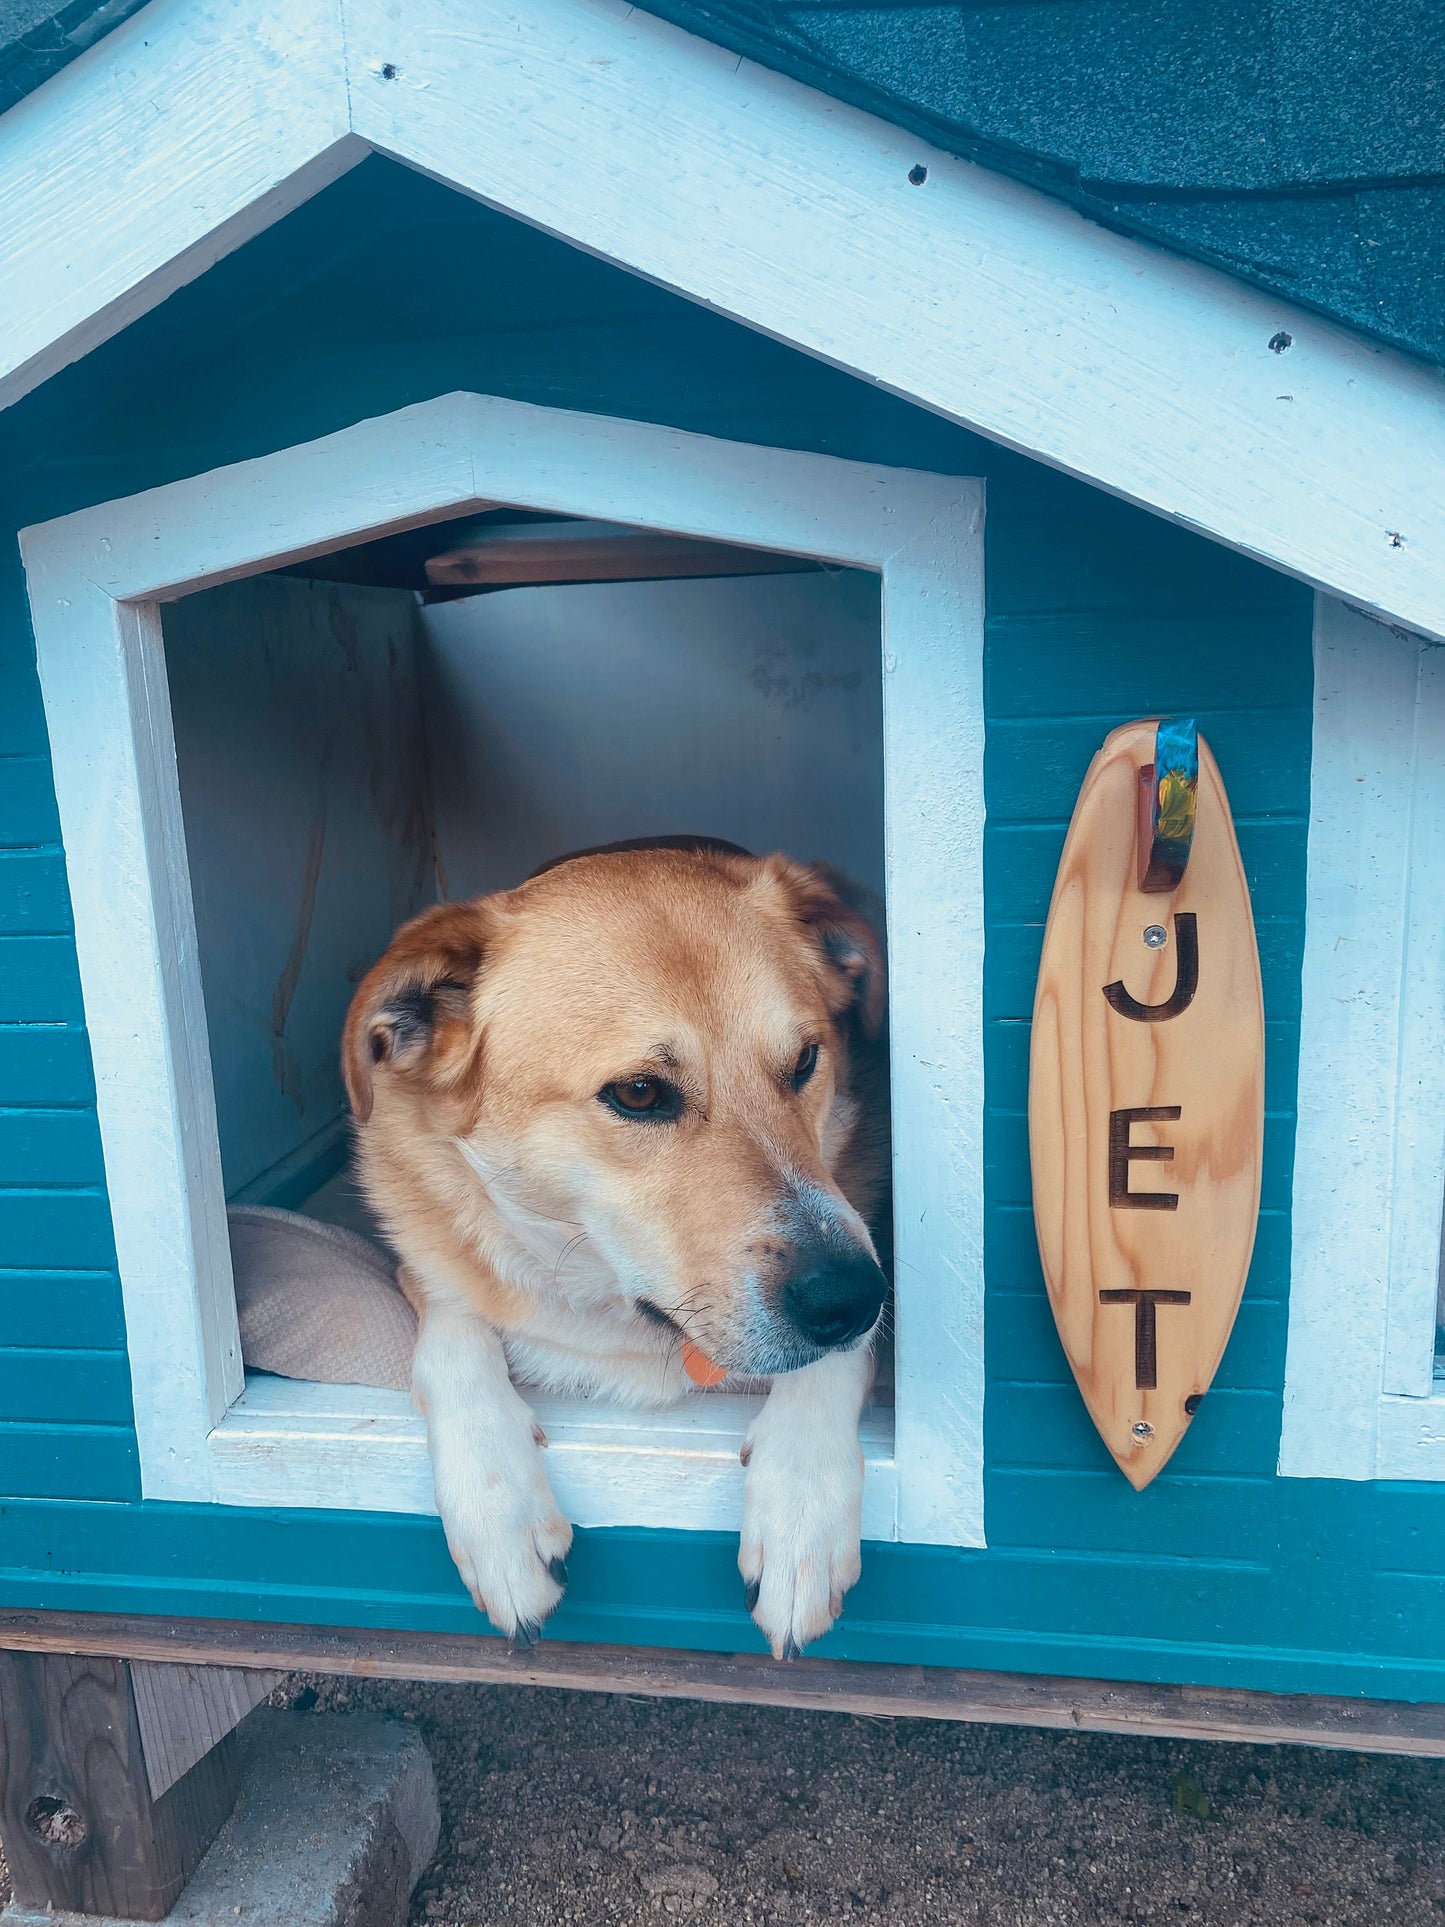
(1084, 635)
(386, 290)
(65, 1401)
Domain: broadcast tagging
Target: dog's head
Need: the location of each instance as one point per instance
(648, 1053)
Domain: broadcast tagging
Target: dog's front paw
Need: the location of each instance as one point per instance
(508, 1540)
(802, 1520)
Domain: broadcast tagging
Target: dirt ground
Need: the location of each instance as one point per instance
(562, 1808)
(568, 1807)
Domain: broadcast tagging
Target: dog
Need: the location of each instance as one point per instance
(625, 1127)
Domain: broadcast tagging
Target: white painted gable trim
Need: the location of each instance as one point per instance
(96, 582)
(976, 297)
(1361, 1397)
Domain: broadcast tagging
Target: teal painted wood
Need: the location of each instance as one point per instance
(22, 719)
(46, 1385)
(64, 1226)
(44, 1064)
(27, 804)
(387, 290)
(34, 900)
(70, 1459)
(39, 980)
(50, 1147)
(41, 1310)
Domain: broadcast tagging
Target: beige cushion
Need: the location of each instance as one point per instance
(315, 1301)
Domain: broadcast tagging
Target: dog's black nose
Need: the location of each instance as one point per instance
(833, 1299)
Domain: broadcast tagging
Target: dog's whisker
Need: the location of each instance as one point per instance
(566, 1252)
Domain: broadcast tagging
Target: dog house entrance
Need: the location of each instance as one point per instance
(435, 715)
(293, 702)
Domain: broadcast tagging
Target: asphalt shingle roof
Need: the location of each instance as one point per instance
(37, 38)
(1298, 144)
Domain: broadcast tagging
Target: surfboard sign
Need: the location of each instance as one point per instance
(1146, 1088)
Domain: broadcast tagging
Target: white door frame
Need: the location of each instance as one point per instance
(97, 579)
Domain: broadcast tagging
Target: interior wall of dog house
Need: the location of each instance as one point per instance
(387, 289)
(347, 757)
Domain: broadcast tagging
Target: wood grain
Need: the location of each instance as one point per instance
(186, 1710)
(541, 552)
(823, 1685)
(81, 1829)
(1146, 1109)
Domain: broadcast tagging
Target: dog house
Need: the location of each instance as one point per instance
(893, 486)
(321, 759)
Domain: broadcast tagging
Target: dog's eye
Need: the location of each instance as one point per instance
(645, 1097)
(807, 1063)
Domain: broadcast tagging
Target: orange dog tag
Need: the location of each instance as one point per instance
(699, 1367)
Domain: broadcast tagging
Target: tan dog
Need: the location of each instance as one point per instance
(629, 1111)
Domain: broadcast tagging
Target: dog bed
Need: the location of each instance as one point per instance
(317, 1301)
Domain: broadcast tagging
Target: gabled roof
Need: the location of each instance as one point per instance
(1298, 145)
(197, 123)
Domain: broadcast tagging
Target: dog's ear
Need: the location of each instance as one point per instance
(411, 1009)
(818, 898)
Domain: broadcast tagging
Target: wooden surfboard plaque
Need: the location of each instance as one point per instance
(1146, 1089)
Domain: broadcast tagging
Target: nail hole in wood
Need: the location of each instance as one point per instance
(1278, 343)
(392, 72)
(918, 175)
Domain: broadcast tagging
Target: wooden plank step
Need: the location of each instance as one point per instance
(823, 1685)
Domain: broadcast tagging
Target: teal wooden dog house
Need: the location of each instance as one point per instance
(300, 301)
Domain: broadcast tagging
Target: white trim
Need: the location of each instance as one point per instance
(96, 579)
(1361, 1397)
(741, 189)
(261, 130)
(352, 1447)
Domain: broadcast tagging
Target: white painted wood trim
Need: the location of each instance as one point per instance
(982, 300)
(933, 728)
(1417, 1193)
(348, 1446)
(96, 579)
(216, 120)
(108, 714)
(1411, 1439)
(1361, 1400)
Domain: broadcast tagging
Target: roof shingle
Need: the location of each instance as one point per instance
(1298, 144)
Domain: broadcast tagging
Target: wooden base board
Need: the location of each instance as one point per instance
(819, 1685)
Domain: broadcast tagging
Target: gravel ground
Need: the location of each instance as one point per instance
(573, 1807)
(569, 1807)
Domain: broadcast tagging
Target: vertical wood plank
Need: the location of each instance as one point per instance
(1358, 913)
(81, 1829)
(184, 1711)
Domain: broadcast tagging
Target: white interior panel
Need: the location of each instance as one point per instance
(747, 707)
(302, 773)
